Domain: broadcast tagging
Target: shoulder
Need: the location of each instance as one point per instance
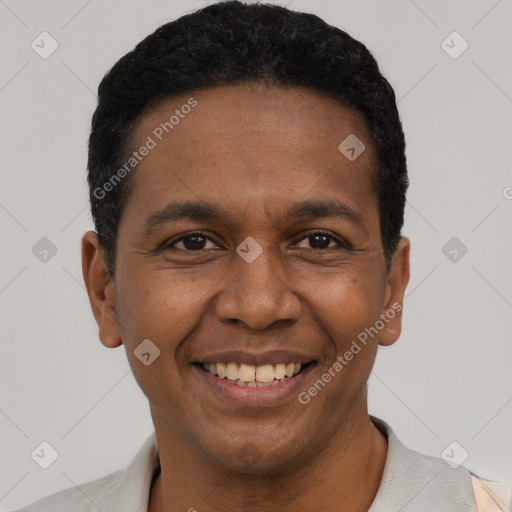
(415, 481)
(491, 496)
(126, 489)
(87, 497)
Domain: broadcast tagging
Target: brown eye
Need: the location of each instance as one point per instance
(319, 240)
(191, 242)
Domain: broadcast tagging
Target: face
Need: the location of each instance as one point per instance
(250, 244)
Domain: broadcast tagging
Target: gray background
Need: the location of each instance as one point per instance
(446, 379)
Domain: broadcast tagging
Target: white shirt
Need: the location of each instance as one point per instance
(411, 482)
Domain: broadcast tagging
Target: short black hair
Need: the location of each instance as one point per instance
(228, 43)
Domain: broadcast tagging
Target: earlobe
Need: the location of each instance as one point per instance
(100, 289)
(397, 280)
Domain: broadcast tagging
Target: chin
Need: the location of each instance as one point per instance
(250, 456)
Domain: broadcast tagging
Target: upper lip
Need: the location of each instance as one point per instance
(255, 358)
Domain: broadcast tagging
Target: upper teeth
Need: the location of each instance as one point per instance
(249, 373)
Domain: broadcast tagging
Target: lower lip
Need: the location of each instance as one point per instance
(255, 396)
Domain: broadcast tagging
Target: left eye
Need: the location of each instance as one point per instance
(319, 240)
(191, 242)
(197, 241)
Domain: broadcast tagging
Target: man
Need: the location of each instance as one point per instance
(248, 178)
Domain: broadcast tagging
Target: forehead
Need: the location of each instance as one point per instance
(250, 144)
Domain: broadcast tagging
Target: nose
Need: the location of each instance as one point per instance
(257, 294)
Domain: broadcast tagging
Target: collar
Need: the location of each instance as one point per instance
(410, 482)
(415, 482)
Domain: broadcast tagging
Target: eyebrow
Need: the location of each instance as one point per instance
(207, 211)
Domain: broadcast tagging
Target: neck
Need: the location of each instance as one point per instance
(344, 475)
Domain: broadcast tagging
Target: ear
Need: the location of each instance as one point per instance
(397, 280)
(100, 289)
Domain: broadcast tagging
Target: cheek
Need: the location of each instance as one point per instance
(158, 310)
(346, 307)
(345, 312)
(161, 306)
(346, 302)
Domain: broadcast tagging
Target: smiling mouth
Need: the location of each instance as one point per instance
(254, 376)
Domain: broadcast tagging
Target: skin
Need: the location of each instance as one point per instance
(255, 150)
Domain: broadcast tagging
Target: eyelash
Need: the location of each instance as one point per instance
(203, 234)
